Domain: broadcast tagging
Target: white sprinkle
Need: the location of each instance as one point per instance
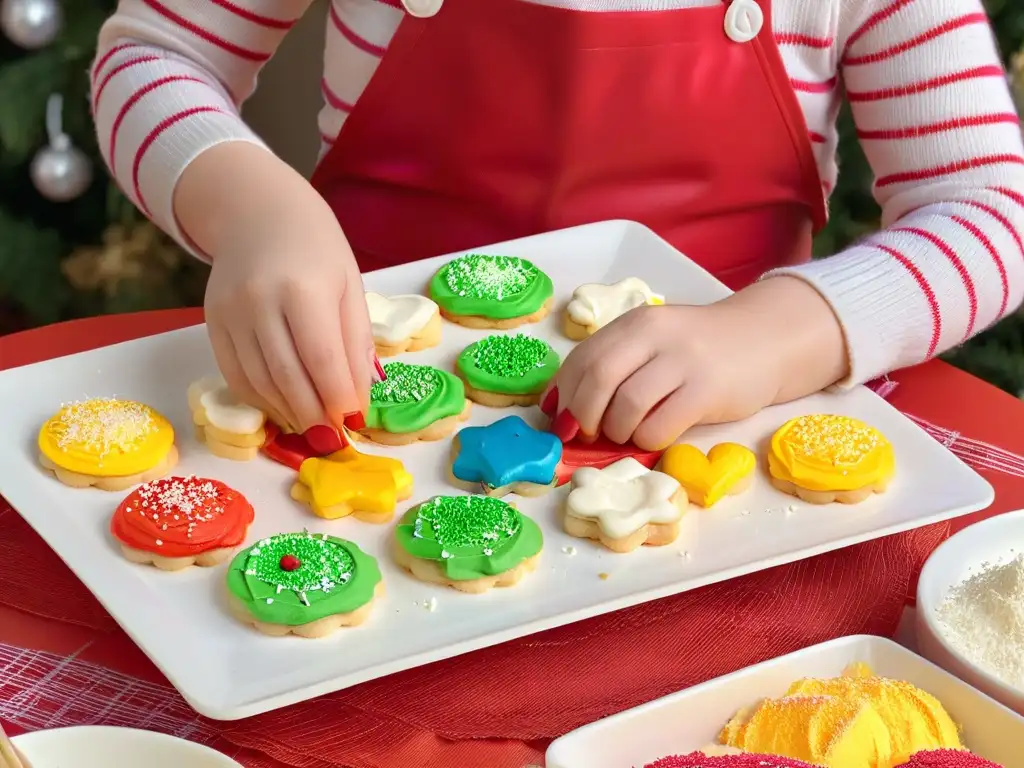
(569, 550)
(270, 600)
(790, 509)
(431, 604)
(685, 554)
(159, 543)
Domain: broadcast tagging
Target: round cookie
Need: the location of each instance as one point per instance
(502, 370)
(594, 305)
(176, 522)
(470, 543)
(508, 456)
(406, 323)
(227, 426)
(624, 506)
(415, 402)
(107, 443)
(352, 483)
(501, 292)
(824, 458)
(304, 584)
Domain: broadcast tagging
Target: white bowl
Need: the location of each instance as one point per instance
(92, 746)
(996, 540)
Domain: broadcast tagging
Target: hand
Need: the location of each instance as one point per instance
(658, 370)
(285, 306)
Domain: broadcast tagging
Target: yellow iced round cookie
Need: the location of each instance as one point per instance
(824, 457)
(106, 437)
(726, 469)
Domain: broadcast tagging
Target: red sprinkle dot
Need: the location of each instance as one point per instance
(290, 563)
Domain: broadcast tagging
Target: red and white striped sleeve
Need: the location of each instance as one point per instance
(167, 84)
(937, 122)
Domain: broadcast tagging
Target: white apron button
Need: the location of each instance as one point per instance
(743, 20)
(422, 8)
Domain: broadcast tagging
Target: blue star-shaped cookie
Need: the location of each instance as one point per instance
(506, 452)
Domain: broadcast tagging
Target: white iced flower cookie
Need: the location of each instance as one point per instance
(405, 323)
(594, 305)
(229, 428)
(624, 506)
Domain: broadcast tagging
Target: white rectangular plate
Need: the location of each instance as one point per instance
(690, 720)
(228, 671)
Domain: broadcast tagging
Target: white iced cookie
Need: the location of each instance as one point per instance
(230, 428)
(624, 506)
(405, 323)
(594, 305)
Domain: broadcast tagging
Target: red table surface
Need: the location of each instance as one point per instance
(934, 391)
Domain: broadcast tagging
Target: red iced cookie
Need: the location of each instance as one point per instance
(291, 449)
(947, 758)
(700, 760)
(599, 454)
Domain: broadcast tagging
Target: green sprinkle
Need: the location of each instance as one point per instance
(510, 356)
(467, 521)
(323, 564)
(405, 383)
(489, 277)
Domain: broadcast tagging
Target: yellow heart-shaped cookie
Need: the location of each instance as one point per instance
(726, 469)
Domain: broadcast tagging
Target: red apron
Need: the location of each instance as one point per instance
(498, 119)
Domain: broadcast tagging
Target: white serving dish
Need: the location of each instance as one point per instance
(691, 719)
(227, 671)
(996, 540)
(93, 746)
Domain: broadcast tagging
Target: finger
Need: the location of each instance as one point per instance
(639, 395)
(572, 370)
(234, 375)
(358, 337)
(287, 372)
(320, 348)
(261, 384)
(600, 381)
(671, 418)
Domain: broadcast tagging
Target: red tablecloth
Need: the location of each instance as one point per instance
(496, 707)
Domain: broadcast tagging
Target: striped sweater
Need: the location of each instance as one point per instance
(928, 92)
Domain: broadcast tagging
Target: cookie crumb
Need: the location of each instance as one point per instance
(603, 576)
(790, 509)
(569, 550)
(685, 554)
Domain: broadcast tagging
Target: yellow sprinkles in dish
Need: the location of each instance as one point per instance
(102, 426)
(836, 440)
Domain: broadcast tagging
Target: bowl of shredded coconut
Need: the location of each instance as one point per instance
(970, 608)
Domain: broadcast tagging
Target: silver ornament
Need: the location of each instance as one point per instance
(31, 24)
(60, 171)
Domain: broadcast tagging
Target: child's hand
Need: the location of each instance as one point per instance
(289, 327)
(656, 371)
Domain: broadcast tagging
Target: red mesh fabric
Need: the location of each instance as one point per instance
(547, 684)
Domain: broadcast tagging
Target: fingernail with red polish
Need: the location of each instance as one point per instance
(564, 426)
(549, 404)
(355, 421)
(324, 439)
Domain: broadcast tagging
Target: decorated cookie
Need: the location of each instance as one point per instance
(176, 522)
(471, 543)
(624, 506)
(292, 448)
(508, 456)
(107, 443)
(501, 371)
(491, 291)
(303, 583)
(352, 483)
(599, 454)
(727, 469)
(229, 428)
(406, 323)
(416, 402)
(719, 757)
(824, 458)
(594, 305)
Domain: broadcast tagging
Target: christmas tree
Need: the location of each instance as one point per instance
(71, 245)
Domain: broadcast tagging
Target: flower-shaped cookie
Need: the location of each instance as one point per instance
(508, 456)
(624, 506)
(349, 482)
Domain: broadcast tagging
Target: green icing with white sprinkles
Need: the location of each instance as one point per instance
(470, 536)
(412, 397)
(514, 365)
(296, 578)
(496, 287)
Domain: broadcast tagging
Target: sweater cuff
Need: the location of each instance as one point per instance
(872, 304)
